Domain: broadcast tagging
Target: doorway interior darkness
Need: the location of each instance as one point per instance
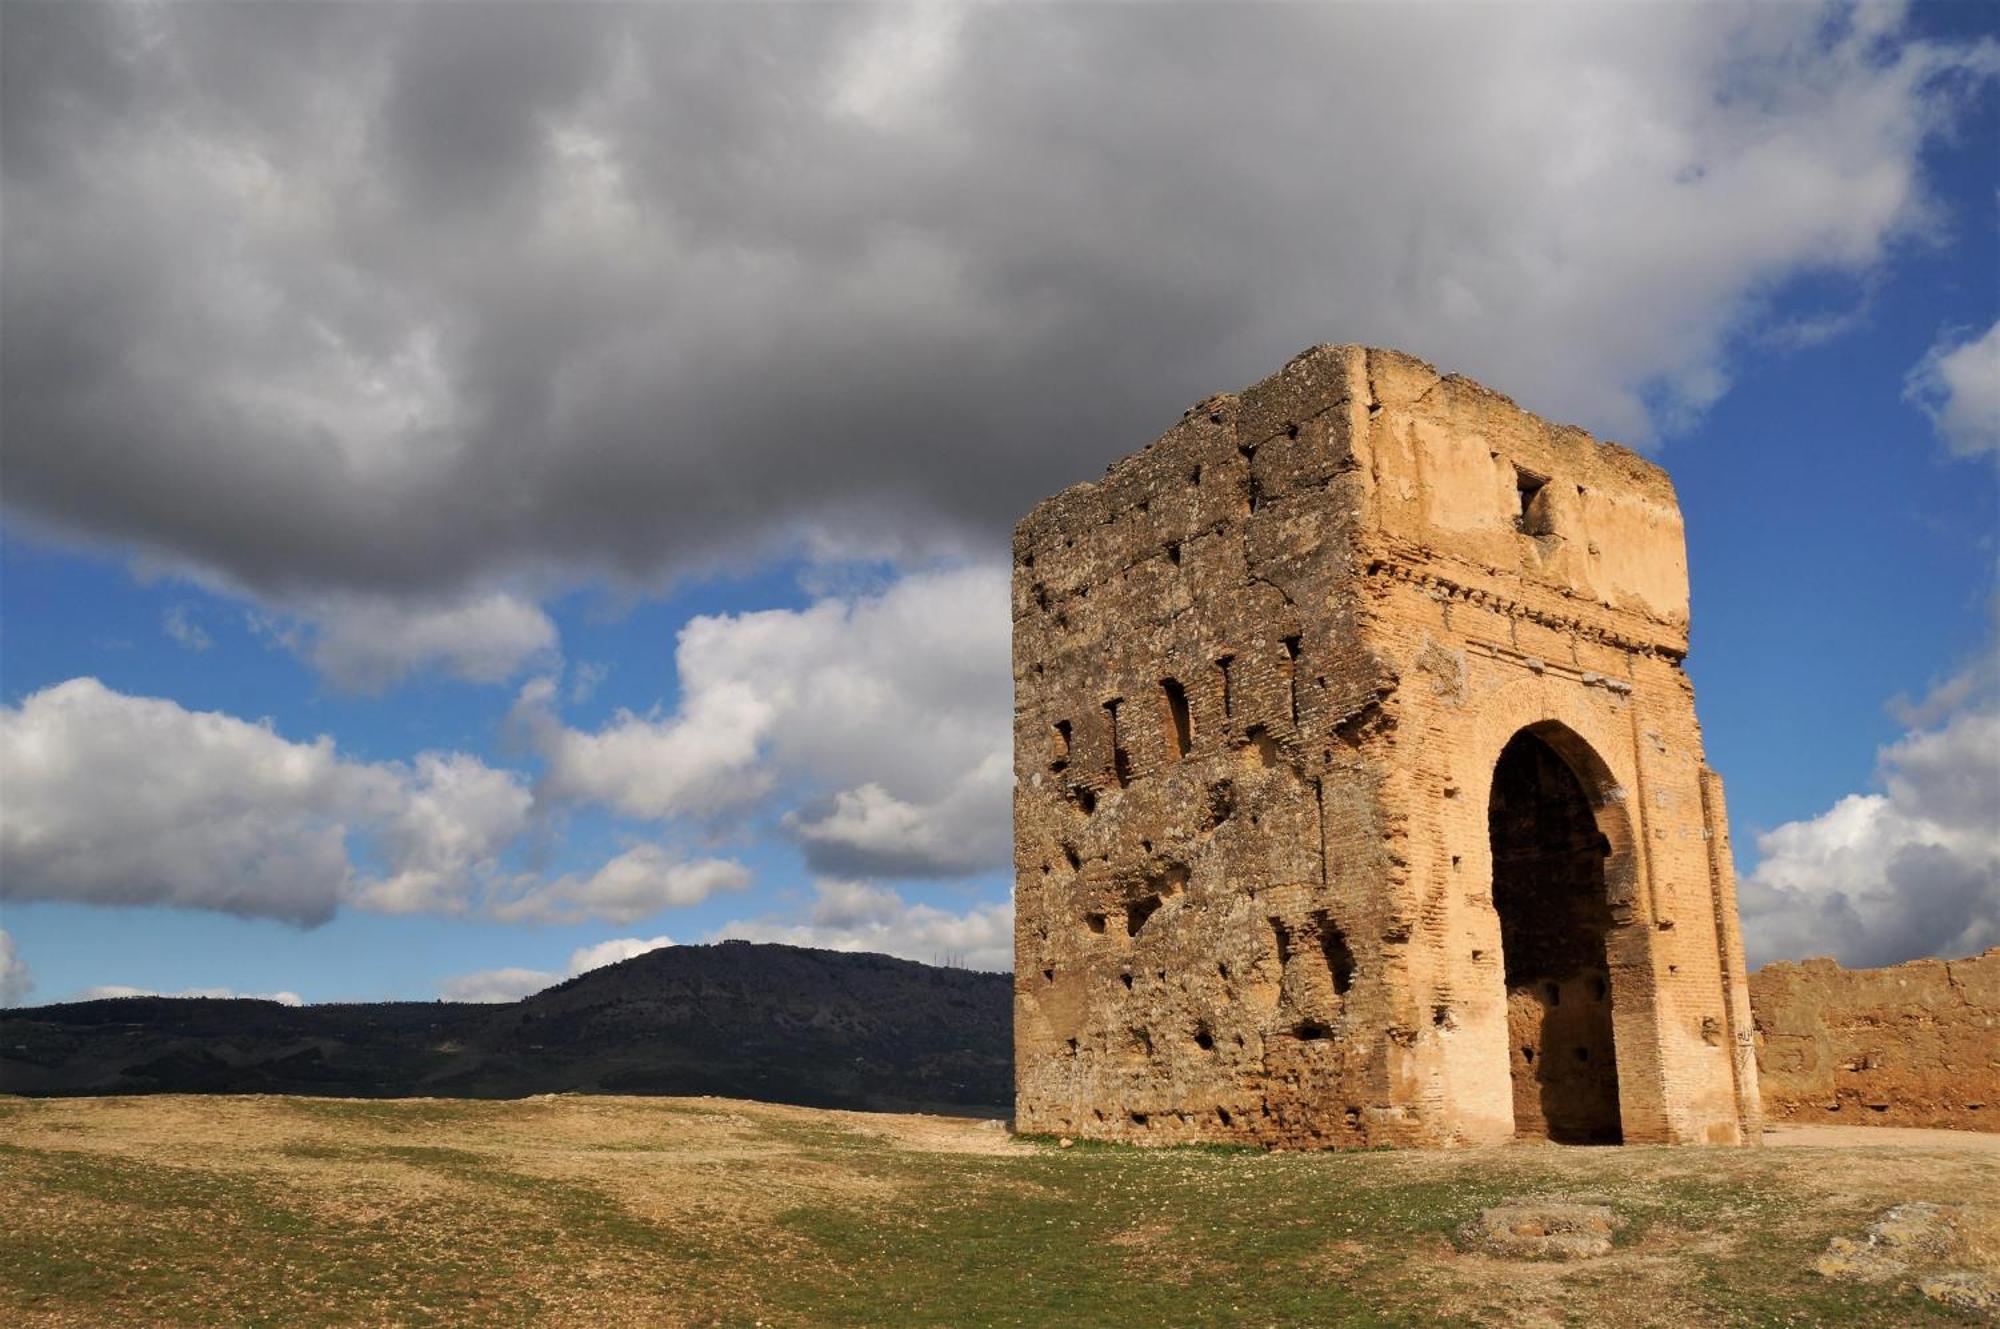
(1549, 889)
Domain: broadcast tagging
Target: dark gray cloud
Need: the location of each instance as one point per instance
(405, 302)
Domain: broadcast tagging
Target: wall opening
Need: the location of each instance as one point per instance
(1180, 723)
(1121, 761)
(1549, 889)
(1531, 490)
(1288, 670)
(1339, 959)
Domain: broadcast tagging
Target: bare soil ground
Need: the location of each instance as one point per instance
(574, 1210)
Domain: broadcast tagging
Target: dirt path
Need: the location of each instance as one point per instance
(1880, 1137)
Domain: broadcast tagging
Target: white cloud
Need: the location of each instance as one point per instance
(584, 680)
(862, 916)
(131, 800)
(514, 984)
(1884, 877)
(1958, 385)
(113, 799)
(497, 984)
(109, 990)
(611, 952)
(369, 643)
(964, 828)
(16, 981)
(641, 881)
(891, 709)
(443, 829)
(178, 623)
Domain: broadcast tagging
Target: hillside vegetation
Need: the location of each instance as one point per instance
(777, 1023)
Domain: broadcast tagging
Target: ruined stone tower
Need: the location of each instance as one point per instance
(1360, 798)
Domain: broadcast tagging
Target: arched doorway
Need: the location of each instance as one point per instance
(1549, 890)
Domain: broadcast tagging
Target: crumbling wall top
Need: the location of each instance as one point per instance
(1452, 475)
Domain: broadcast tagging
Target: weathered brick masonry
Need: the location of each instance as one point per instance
(1360, 796)
(1914, 1044)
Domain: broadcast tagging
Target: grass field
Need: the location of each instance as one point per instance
(586, 1210)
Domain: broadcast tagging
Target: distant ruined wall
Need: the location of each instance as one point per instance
(1915, 1044)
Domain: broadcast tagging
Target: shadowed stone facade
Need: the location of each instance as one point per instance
(1360, 798)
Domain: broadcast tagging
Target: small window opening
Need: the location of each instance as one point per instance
(1174, 553)
(1289, 668)
(1204, 1040)
(1228, 689)
(1282, 935)
(1095, 922)
(1339, 958)
(1121, 761)
(1178, 718)
(1222, 1115)
(1531, 491)
(1126, 979)
(1137, 912)
(1554, 994)
(1059, 747)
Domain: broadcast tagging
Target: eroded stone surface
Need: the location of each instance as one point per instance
(1914, 1233)
(1964, 1290)
(1360, 797)
(1914, 1044)
(1916, 1240)
(1541, 1230)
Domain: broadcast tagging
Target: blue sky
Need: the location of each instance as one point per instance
(490, 489)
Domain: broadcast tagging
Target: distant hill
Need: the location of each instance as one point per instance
(778, 1023)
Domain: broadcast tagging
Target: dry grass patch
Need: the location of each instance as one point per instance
(583, 1210)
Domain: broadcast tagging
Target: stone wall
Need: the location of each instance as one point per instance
(1915, 1044)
